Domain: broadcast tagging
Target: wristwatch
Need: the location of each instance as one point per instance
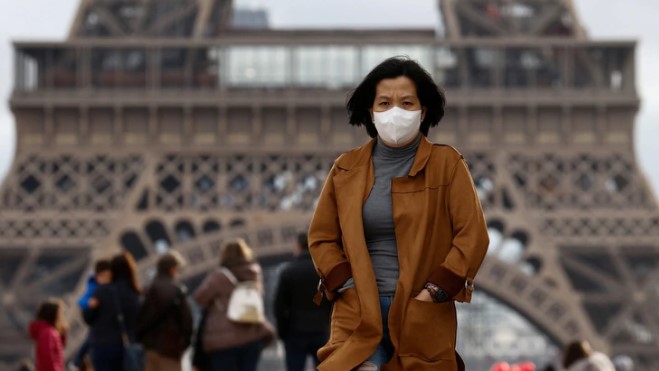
(436, 293)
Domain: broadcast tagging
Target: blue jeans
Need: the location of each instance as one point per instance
(243, 358)
(82, 352)
(385, 349)
(299, 346)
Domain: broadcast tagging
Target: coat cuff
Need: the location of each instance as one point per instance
(337, 276)
(447, 281)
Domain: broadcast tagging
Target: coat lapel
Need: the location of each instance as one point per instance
(422, 156)
(353, 184)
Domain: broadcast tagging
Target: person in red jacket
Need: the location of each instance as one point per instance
(48, 330)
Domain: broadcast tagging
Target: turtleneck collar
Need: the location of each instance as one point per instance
(381, 150)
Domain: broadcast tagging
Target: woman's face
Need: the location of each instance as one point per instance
(396, 92)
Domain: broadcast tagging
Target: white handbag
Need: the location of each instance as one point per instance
(246, 303)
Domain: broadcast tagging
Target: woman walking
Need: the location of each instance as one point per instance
(232, 346)
(398, 234)
(121, 297)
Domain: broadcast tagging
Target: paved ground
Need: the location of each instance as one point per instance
(272, 359)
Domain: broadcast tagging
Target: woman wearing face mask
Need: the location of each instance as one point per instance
(398, 234)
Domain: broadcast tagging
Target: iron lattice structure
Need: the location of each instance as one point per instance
(151, 18)
(157, 125)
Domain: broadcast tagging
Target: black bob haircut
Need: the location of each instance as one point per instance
(430, 95)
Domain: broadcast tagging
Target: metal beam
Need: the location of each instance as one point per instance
(166, 21)
(549, 15)
(109, 20)
(451, 24)
(203, 16)
(224, 20)
(79, 19)
(578, 30)
(140, 22)
(468, 12)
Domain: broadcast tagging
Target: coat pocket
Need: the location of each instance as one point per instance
(429, 330)
(346, 316)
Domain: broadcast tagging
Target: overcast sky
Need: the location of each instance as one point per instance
(629, 19)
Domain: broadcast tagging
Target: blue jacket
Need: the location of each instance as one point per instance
(83, 302)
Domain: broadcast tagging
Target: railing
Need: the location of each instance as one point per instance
(550, 64)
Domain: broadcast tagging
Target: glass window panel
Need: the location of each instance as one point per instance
(207, 68)
(606, 66)
(258, 66)
(62, 69)
(482, 63)
(548, 71)
(172, 67)
(118, 67)
(29, 72)
(526, 67)
(587, 67)
(189, 67)
(516, 72)
(332, 66)
(446, 71)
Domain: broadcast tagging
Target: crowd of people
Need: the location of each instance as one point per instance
(160, 319)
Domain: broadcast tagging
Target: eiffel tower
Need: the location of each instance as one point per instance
(166, 125)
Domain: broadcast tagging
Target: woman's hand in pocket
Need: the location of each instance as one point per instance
(423, 295)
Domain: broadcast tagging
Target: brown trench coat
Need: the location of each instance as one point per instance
(441, 236)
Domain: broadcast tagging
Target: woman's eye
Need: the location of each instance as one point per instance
(384, 103)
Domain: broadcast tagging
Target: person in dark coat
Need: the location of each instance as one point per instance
(301, 324)
(123, 295)
(102, 276)
(164, 322)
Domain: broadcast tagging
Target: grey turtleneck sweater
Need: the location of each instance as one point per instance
(378, 214)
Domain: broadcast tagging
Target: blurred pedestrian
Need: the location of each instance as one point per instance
(164, 322)
(398, 234)
(623, 363)
(102, 276)
(232, 346)
(49, 330)
(302, 325)
(119, 298)
(579, 356)
(200, 358)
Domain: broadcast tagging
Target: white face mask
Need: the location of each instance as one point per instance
(397, 125)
